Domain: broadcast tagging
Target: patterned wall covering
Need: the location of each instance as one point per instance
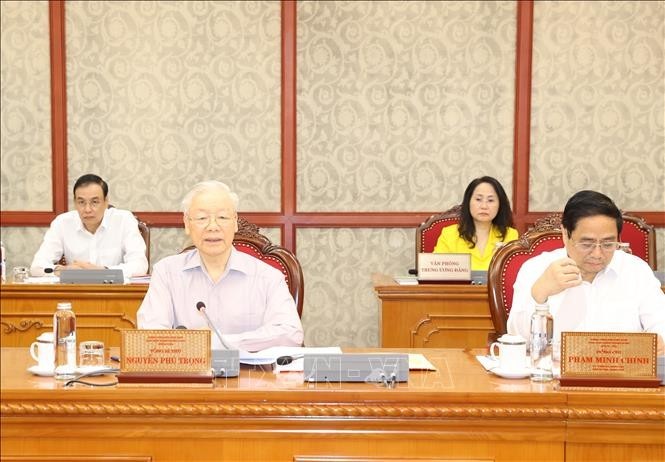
(598, 118)
(25, 131)
(162, 95)
(401, 104)
(21, 244)
(340, 305)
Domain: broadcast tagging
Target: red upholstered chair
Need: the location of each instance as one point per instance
(429, 230)
(504, 266)
(250, 241)
(145, 234)
(642, 238)
(638, 233)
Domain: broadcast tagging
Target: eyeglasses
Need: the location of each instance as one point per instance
(590, 246)
(93, 204)
(205, 221)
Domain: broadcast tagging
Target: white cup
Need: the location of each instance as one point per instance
(512, 352)
(43, 352)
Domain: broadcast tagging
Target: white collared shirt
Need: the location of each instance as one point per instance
(116, 244)
(250, 305)
(624, 297)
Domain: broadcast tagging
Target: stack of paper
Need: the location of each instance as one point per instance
(42, 280)
(406, 280)
(145, 279)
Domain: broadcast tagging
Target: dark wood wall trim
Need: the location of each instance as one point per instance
(58, 105)
(288, 219)
(522, 129)
(289, 140)
(300, 220)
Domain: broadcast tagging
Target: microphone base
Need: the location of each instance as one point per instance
(225, 363)
(357, 367)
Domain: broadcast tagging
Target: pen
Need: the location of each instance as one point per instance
(115, 358)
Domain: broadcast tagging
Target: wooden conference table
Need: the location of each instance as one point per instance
(101, 310)
(432, 315)
(460, 412)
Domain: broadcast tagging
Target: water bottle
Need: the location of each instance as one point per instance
(64, 333)
(542, 328)
(3, 262)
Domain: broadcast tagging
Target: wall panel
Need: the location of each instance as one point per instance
(21, 244)
(401, 104)
(340, 306)
(598, 103)
(162, 95)
(25, 131)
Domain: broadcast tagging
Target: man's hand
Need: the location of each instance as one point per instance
(76, 264)
(560, 275)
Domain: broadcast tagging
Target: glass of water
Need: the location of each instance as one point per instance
(20, 274)
(91, 353)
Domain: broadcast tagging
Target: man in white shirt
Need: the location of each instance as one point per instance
(246, 299)
(589, 285)
(92, 236)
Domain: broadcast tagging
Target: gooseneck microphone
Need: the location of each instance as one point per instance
(286, 360)
(202, 309)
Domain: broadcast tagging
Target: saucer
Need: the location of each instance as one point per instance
(511, 374)
(40, 371)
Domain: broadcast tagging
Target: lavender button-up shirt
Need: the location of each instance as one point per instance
(250, 304)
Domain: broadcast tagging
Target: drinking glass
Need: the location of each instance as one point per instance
(20, 274)
(91, 353)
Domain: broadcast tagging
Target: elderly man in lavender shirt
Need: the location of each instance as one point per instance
(247, 300)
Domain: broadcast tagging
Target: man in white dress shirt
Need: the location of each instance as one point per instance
(589, 285)
(93, 235)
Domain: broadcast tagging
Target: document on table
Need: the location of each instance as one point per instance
(42, 280)
(406, 280)
(487, 362)
(143, 279)
(418, 362)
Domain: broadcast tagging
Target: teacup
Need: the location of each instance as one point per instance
(512, 352)
(43, 352)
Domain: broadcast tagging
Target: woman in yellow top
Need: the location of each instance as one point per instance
(486, 219)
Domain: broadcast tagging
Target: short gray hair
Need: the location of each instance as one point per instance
(210, 185)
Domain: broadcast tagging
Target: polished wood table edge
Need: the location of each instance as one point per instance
(49, 290)
(257, 391)
(332, 408)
